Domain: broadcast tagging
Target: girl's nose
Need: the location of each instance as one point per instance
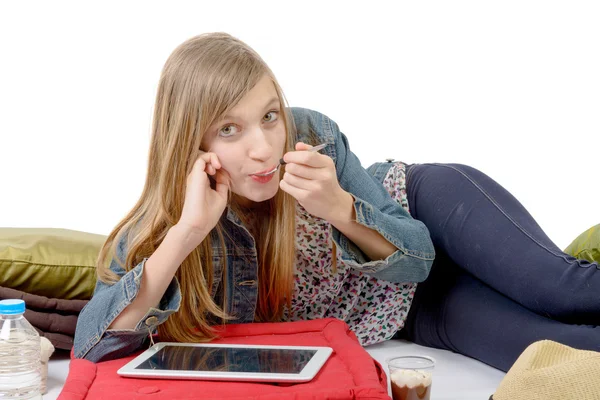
(260, 146)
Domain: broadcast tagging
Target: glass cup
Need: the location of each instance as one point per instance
(410, 377)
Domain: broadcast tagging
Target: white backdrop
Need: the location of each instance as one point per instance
(511, 87)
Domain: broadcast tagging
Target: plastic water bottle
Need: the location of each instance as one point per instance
(20, 362)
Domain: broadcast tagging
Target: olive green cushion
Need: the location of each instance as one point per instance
(56, 263)
(587, 245)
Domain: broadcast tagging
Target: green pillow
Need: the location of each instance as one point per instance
(587, 245)
(56, 263)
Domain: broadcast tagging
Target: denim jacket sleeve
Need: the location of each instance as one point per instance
(374, 209)
(93, 340)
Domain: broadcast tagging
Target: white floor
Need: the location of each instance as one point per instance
(456, 377)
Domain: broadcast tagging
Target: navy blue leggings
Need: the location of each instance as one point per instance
(498, 282)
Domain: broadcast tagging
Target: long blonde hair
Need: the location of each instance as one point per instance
(204, 78)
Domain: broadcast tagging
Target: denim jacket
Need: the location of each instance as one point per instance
(374, 209)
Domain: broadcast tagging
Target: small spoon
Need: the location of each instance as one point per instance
(281, 162)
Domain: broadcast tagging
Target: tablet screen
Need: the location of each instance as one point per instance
(229, 359)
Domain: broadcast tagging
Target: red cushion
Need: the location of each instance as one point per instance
(350, 373)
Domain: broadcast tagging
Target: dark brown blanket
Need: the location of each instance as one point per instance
(52, 322)
(58, 340)
(42, 303)
(54, 319)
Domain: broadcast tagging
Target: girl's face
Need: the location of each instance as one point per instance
(250, 140)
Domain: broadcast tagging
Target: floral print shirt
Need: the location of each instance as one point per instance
(374, 309)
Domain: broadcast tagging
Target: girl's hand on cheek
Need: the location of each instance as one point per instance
(312, 180)
(203, 205)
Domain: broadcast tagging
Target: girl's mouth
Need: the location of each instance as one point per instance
(262, 179)
(265, 172)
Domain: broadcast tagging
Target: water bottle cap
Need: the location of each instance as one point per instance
(12, 306)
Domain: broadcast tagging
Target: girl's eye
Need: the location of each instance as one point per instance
(270, 116)
(231, 130)
(227, 131)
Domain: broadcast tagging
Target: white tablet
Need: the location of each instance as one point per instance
(241, 362)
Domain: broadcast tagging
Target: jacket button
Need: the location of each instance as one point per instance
(151, 321)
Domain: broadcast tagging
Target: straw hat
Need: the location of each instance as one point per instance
(547, 370)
